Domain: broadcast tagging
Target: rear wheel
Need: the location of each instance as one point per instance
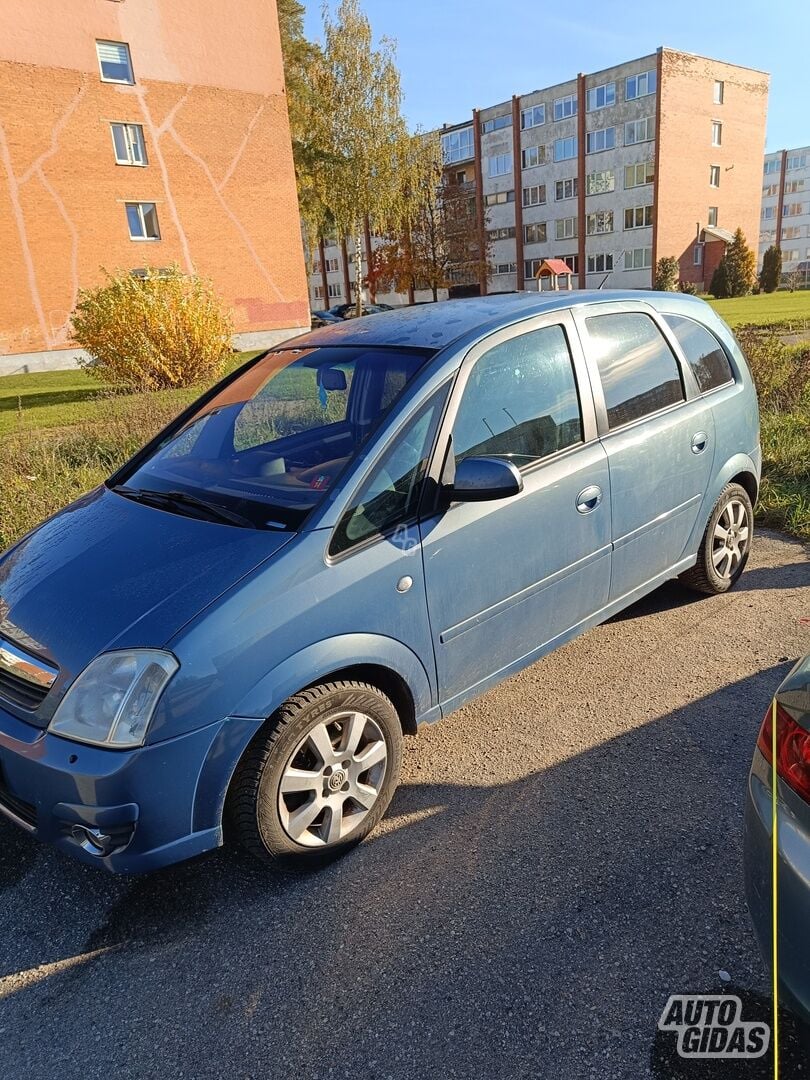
(320, 776)
(726, 544)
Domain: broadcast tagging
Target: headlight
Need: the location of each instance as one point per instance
(112, 701)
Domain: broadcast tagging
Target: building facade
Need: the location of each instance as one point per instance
(786, 210)
(333, 277)
(143, 132)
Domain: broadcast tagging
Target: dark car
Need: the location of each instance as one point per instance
(319, 319)
(349, 311)
(791, 705)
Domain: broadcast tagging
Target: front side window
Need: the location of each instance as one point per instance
(520, 401)
(390, 495)
(128, 141)
(638, 370)
(114, 61)
(142, 221)
(272, 443)
(707, 357)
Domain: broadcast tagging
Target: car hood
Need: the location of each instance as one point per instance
(107, 572)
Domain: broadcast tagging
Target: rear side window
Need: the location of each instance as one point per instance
(639, 372)
(520, 400)
(705, 354)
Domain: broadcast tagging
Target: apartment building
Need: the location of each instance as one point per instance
(785, 218)
(333, 276)
(143, 132)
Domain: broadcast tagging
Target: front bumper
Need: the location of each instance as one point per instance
(128, 810)
(793, 884)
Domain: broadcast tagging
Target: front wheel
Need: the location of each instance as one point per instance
(726, 544)
(319, 777)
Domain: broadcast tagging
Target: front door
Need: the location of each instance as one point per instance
(507, 580)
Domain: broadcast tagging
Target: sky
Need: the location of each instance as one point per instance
(455, 56)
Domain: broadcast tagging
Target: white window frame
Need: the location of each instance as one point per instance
(534, 195)
(528, 152)
(607, 263)
(719, 91)
(598, 141)
(464, 149)
(565, 228)
(565, 106)
(590, 182)
(697, 254)
(335, 290)
(499, 165)
(130, 143)
(570, 187)
(504, 268)
(104, 78)
(633, 85)
(649, 170)
(563, 143)
(318, 290)
(717, 132)
(142, 220)
(632, 128)
(599, 222)
(714, 176)
(709, 216)
(646, 211)
(494, 198)
(772, 166)
(530, 113)
(640, 256)
(535, 225)
(608, 96)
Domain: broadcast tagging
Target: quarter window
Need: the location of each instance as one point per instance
(638, 369)
(707, 357)
(520, 400)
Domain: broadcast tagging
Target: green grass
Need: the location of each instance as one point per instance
(765, 308)
(784, 500)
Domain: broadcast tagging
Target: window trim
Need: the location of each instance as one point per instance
(102, 76)
(625, 307)
(140, 204)
(125, 124)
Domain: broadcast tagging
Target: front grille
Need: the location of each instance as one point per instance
(21, 692)
(21, 809)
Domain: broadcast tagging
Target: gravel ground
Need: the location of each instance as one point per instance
(561, 856)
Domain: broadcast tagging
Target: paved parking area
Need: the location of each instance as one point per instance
(562, 855)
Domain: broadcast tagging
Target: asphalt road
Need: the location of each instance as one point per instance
(562, 855)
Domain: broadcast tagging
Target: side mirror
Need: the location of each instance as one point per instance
(331, 379)
(480, 479)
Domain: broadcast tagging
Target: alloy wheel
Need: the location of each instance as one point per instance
(731, 538)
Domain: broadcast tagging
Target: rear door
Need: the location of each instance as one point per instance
(658, 434)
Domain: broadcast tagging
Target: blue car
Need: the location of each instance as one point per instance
(352, 535)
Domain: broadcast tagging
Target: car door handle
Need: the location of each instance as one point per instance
(700, 441)
(588, 499)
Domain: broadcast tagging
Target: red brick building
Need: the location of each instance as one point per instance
(143, 132)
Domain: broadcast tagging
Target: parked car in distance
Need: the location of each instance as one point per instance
(319, 319)
(354, 534)
(793, 830)
(349, 311)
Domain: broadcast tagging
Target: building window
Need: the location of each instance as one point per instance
(596, 141)
(771, 189)
(600, 96)
(768, 236)
(768, 212)
(636, 86)
(335, 291)
(598, 183)
(639, 175)
(572, 262)
(128, 143)
(458, 145)
(637, 131)
(534, 233)
(498, 198)
(505, 233)
(772, 165)
(534, 116)
(142, 220)
(601, 221)
(717, 133)
(791, 187)
(566, 189)
(599, 264)
(792, 232)
(638, 217)
(714, 176)
(790, 256)
(499, 165)
(535, 195)
(565, 106)
(565, 228)
(505, 268)
(795, 161)
(319, 292)
(794, 209)
(712, 215)
(496, 123)
(332, 264)
(719, 87)
(114, 62)
(638, 259)
(697, 255)
(532, 156)
(564, 149)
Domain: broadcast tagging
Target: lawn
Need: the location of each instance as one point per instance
(765, 308)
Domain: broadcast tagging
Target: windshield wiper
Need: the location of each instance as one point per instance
(182, 498)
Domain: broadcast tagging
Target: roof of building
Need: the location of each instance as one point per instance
(434, 326)
(553, 266)
(714, 232)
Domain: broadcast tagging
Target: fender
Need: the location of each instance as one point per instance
(739, 463)
(318, 661)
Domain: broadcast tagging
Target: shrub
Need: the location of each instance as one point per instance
(781, 372)
(165, 330)
(666, 274)
(688, 287)
(741, 263)
(719, 285)
(771, 272)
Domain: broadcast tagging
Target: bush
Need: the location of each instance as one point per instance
(781, 372)
(741, 264)
(162, 331)
(719, 285)
(688, 287)
(666, 274)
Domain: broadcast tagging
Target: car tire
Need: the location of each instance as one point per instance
(726, 544)
(319, 776)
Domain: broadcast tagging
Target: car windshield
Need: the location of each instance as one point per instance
(271, 443)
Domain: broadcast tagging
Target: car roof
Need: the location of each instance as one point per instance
(434, 326)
